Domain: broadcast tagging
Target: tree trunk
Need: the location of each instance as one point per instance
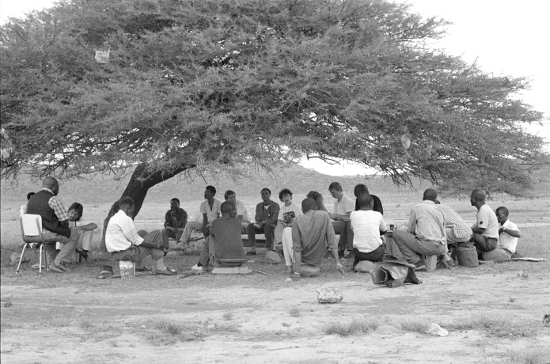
(137, 188)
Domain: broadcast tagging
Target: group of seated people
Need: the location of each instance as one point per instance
(303, 234)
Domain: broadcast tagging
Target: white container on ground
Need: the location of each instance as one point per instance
(127, 269)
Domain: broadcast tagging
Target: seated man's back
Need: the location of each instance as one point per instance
(227, 233)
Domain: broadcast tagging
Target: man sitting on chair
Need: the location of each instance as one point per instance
(124, 243)
(224, 244)
(55, 224)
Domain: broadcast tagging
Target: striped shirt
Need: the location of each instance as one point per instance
(460, 228)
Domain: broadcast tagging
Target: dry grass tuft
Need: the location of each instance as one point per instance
(497, 326)
(228, 316)
(350, 328)
(528, 356)
(85, 324)
(415, 326)
(294, 312)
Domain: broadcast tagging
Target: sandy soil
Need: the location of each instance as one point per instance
(247, 319)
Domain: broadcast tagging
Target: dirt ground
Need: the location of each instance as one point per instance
(77, 318)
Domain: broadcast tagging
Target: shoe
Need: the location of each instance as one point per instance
(251, 253)
(196, 268)
(167, 272)
(340, 254)
(143, 269)
(55, 268)
(179, 246)
(65, 267)
(420, 265)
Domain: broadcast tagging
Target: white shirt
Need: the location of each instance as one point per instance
(344, 206)
(241, 210)
(507, 241)
(486, 219)
(121, 233)
(366, 225)
(288, 213)
(211, 214)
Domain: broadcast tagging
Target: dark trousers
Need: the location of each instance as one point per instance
(343, 228)
(374, 256)
(483, 243)
(268, 230)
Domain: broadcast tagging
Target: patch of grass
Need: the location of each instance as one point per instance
(496, 326)
(528, 356)
(294, 312)
(85, 324)
(231, 327)
(353, 327)
(415, 326)
(228, 316)
(523, 274)
(169, 327)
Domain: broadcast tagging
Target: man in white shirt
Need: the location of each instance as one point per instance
(210, 210)
(343, 206)
(485, 230)
(241, 211)
(367, 225)
(124, 243)
(508, 233)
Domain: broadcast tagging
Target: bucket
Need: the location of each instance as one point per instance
(127, 269)
(467, 256)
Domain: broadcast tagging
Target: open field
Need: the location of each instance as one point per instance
(493, 313)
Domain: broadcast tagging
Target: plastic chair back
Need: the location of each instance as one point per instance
(31, 224)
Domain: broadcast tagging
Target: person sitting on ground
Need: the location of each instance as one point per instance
(311, 232)
(361, 189)
(55, 224)
(367, 226)
(241, 212)
(124, 243)
(224, 241)
(343, 206)
(508, 233)
(425, 234)
(287, 212)
(318, 200)
(485, 230)
(175, 220)
(84, 245)
(267, 212)
(210, 210)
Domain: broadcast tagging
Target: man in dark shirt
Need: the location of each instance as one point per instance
(174, 222)
(55, 224)
(311, 233)
(267, 212)
(224, 241)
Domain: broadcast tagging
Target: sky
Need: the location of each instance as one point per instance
(503, 36)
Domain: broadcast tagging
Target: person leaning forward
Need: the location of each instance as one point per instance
(267, 212)
(55, 224)
(311, 232)
(425, 235)
(124, 243)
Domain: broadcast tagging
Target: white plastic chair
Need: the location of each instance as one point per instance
(31, 233)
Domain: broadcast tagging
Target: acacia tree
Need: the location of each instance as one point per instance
(206, 85)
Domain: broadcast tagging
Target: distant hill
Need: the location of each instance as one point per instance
(104, 189)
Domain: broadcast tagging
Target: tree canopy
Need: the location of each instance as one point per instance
(215, 85)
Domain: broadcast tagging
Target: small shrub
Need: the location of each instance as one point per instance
(496, 326)
(228, 316)
(169, 327)
(350, 328)
(415, 326)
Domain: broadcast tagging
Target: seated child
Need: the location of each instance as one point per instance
(508, 232)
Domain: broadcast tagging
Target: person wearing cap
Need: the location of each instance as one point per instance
(311, 232)
(425, 235)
